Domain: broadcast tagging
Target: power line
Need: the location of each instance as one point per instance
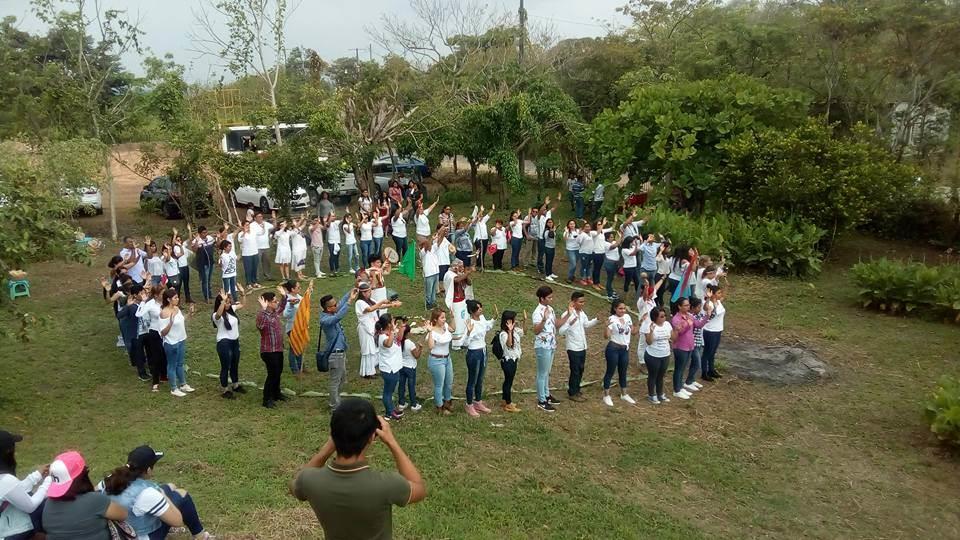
(554, 19)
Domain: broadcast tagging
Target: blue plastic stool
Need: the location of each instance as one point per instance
(18, 287)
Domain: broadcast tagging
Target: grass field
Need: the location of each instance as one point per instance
(848, 457)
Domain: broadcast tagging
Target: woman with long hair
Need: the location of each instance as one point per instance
(350, 244)
(656, 355)
(628, 250)
(399, 231)
(390, 353)
(617, 354)
(74, 509)
(498, 237)
(601, 242)
(683, 324)
(367, 311)
(174, 334)
(646, 301)
(228, 267)
(298, 247)
(284, 252)
(408, 373)
(227, 323)
(510, 337)
(712, 332)
(611, 262)
(481, 237)
(475, 341)
(549, 248)
(585, 252)
(571, 243)
(149, 314)
(21, 500)
(440, 364)
(516, 239)
(366, 239)
(152, 509)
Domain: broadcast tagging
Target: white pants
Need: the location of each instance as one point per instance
(317, 257)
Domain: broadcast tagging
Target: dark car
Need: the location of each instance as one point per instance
(410, 166)
(164, 195)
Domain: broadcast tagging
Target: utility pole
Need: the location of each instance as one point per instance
(357, 52)
(521, 157)
(370, 46)
(523, 30)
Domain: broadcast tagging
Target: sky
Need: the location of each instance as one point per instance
(331, 28)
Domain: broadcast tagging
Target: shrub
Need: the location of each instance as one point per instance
(902, 287)
(920, 214)
(455, 196)
(943, 410)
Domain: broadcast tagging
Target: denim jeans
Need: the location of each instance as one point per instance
(630, 276)
(541, 245)
(610, 267)
(572, 257)
(577, 361)
(515, 245)
(656, 369)
(175, 354)
(586, 259)
(401, 243)
(338, 376)
(711, 342)
(430, 290)
(185, 283)
(334, 261)
(229, 352)
(544, 364)
(617, 360)
(188, 510)
(293, 359)
(509, 368)
(353, 256)
(366, 247)
(249, 270)
(408, 383)
(680, 361)
(549, 255)
(695, 359)
(476, 367)
(264, 265)
(317, 258)
(137, 356)
(390, 381)
(598, 259)
(230, 285)
(376, 247)
(578, 207)
(464, 257)
(441, 370)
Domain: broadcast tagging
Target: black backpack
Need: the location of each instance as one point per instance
(497, 347)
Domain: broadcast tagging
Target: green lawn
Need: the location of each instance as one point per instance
(849, 457)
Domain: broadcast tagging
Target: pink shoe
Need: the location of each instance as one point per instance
(479, 405)
(472, 411)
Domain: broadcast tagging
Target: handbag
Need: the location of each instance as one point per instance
(323, 357)
(121, 530)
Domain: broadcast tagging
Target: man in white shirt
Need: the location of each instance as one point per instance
(133, 258)
(544, 343)
(263, 230)
(597, 200)
(574, 328)
(431, 269)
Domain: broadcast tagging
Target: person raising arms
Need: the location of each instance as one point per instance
(575, 326)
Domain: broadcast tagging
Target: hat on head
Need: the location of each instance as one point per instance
(64, 470)
(363, 286)
(143, 457)
(8, 440)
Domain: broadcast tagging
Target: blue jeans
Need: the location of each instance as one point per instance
(408, 381)
(334, 258)
(230, 285)
(175, 353)
(549, 254)
(376, 247)
(249, 270)
(441, 370)
(598, 259)
(541, 245)
(680, 361)
(544, 363)
(695, 359)
(390, 381)
(630, 276)
(430, 290)
(188, 510)
(586, 259)
(610, 267)
(229, 352)
(353, 257)
(295, 360)
(365, 251)
(206, 271)
(515, 244)
(617, 360)
(711, 342)
(578, 207)
(572, 257)
(476, 366)
(401, 243)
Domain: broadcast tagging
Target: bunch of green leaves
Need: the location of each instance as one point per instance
(942, 410)
(902, 287)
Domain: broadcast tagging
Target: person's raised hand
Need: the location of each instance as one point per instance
(384, 433)
(45, 470)
(281, 291)
(396, 303)
(263, 302)
(223, 294)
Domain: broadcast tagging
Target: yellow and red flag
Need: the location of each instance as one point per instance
(300, 333)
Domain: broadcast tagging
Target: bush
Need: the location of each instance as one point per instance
(943, 411)
(921, 214)
(455, 196)
(902, 287)
(768, 246)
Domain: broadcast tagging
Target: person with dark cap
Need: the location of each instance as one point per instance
(21, 500)
(351, 499)
(152, 509)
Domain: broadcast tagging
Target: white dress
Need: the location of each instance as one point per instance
(368, 345)
(298, 246)
(283, 247)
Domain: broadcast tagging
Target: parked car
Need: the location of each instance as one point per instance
(89, 200)
(411, 166)
(165, 195)
(246, 195)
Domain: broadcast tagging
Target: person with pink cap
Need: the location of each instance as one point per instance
(74, 510)
(21, 501)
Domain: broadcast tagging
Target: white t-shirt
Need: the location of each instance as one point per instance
(137, 269)
(620, 329)
(349, 234)
(587, 240)
(423, 223)
(377, 228)
(263, 232)
(499, 238)
(222, 332)
(178, 332)
(677, 270)
(476, 339)
(660, 348)
(333, 232)
(248, 243)
(629, 257)
(516, 228)
(171, 267)
(228, 262)
(150, 501)
(391, 358)
(441, 343)
(409, 361)
(183, 255)
(399, 227)
(428, 259)
(571, 240)
(511, 353)
(716, 321)
(366, 231)
(546, 338)
(613, 251)
(443, 252)
(149, 312)
(155, 265)
(480, 229)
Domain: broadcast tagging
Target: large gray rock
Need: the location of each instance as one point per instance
(771, 363)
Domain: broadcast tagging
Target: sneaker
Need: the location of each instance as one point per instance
(654, 400)
(552, 400)
(156, 388)
(481, 407)
(664, 399)
(187, 388)
(352, 271)
(402, 406)
(416, 407)
(395, 415)
(177, 392)
(691, 388)
(472, 410)
(545, 406)
(682, 394)
(578, 397)
(143, 378)
(548, 278)
(698, 385)
(628, 399)
(608, 401)
(120, 341)
(708, 378)
(239, 389)
(269, 404)
(228, 395)
(553, 276)
(716, 375)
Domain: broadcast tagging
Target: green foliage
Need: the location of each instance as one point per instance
(456, 196)
(810, 174)
(678, 133)
(920, 213)
(908, 287)
(942, 410)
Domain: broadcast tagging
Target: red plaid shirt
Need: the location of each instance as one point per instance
(271, 328)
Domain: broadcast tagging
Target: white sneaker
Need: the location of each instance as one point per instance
(416, 407)
(628, 399)
(177, 393)
(698, 385)
(654, 399)
(401, 407)
(690, 388)
(120, 341)
(187, 388)
(608, 401)
(352, 271)
(548, 278)
(321, 274)
(553, 276)
(682, 394)
(664, 399)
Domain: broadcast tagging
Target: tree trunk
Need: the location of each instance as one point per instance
(113, 199)
(473, 177)
(276, 122)
(393, 157)
(455, 172)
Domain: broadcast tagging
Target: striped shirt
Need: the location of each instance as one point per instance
(698, 331)
(271, 328)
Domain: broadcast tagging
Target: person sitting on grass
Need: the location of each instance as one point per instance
(152, 509)
(22, 500)
(74, 509)
(351, 499)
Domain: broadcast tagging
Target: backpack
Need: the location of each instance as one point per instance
(497, 347)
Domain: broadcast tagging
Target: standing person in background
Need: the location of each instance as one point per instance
(631, 227)
(587, 235)
(228, 267)
(683, 324)
(549, 248)
(316, 245)
(154, 261)
(227, 323)
(611, 262)
(516, 239)
(366, 239)
(350, 244)
(368, 312)
(21, 500)
(174, 334)
(700, 318)
(628, 250)
(395, 191)
(510, 336)
(576, 191)
(481, 238)
(574, 328)
(597, 201)
(475, 340)
(324, 206)
(499, 239)
(461, 239)
(546, 214)
(331, 326)
(171, 268)
(446, 219)
(544, 344)
(263, 230)
(408, 373)
(149, 315)
(648, 257)
(298, 247)
(601, 243)
(712, 331)
(647, 297)
(439, 338)
(333, 242)
(250, 254)
(365, 202)
(443, 254)
(571, 179)
(182, 254)
(377, 233)
(131, 326)
(399, 231)
(74, 509)
(133, 259)
(431, 269)
(571, 243)
(617, 354)
(271, 345)
(291, 291)
(390, 355)
(656, 355)
(350, 499)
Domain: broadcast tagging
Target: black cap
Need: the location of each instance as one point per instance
(143, 457)
(8, 440)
